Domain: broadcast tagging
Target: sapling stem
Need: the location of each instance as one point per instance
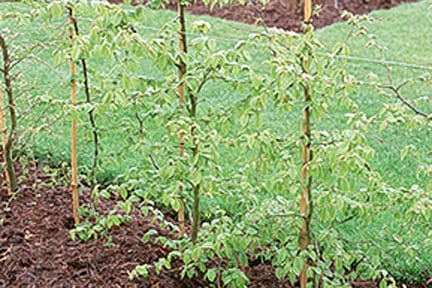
(74, 162)
(180, 91)
(90, 113)
(10, 139)
(4, 141)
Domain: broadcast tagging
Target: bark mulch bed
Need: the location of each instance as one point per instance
(36, 249)
(283, 14)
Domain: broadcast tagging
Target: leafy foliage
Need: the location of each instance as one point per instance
(249, 168)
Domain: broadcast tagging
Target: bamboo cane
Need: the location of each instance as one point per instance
(306, 180)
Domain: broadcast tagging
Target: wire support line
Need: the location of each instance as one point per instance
(343, 57)
(260, 33)
(381, 61)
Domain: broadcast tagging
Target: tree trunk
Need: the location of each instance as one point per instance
(4, 140)
(180, 91)
(8, 148)
(90, 113)
(196, 187)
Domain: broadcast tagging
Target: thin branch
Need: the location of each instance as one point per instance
(347, 219)
(74, 164)
(142, 119)
(204, 80)
(141, 124)
(153, 161)
(91, 112)
(291, 214)
(406, 102)
(12, 115)
(325, 144)
(41, 61)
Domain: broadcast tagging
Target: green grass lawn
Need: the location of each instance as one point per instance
(404, 30)
(400, 41)
(406, 41)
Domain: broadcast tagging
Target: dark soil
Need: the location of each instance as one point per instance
(36, 249)
(283, 14)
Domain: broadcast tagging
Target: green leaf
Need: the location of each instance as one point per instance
(123, 193)
(175, 204)
(145, 210)
(146, 236)
(298, 265)
(243, 258)
(127, 207)
(134, 199)
(339, 265)
(211, 274)
(56, 9)
(279, 272)
(141, 270)
(105, 194)
(383, 284)
(75, 52)
(196, 178)
(167, 172)
(72, 234)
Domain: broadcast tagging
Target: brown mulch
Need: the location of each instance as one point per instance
(36, 249)
(283, 13)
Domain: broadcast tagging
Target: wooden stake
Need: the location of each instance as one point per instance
(306, 180)
(307, 10)
(74, 166)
